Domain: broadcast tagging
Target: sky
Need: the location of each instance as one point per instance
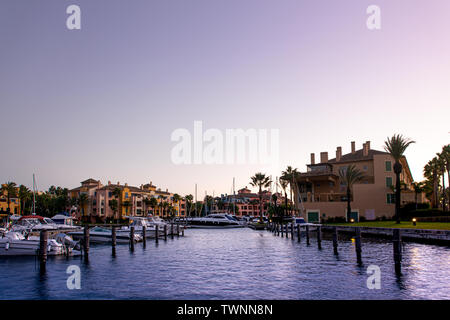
(102, 102)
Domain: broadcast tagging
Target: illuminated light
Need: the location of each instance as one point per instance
(352, 220)
(414, 220)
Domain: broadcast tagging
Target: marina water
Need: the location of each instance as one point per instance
(234, 264)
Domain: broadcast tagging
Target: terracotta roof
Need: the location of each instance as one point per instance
(90, 180)
(357, 156)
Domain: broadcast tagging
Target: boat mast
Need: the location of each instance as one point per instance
(34, 196)
(234, 199)
(195, 205)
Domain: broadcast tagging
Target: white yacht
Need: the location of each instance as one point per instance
(32, 223)
(139, 223)
(104, 235)
(17, 244)
(216, 220)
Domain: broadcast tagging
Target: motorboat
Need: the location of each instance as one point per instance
(139, 223)
(33, 223)
(215, 220)
(14, 243)
(104, 235)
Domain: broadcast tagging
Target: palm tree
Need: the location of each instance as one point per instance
(442, 160)
(10, 188)
(284, 184)
(153, 204)
(290, 174)
(418, 188)
(126, 204)
(189, 198)
(117, 192)
(396, 146)
(260, 180)
(431, 172)
(349, 176)
(176, 199)
(83, 199)
(24, 196)
(446, 157)
(114, 205)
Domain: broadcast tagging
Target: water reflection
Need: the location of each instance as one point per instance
(235, 264)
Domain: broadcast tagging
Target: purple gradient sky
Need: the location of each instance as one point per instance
(102, 102)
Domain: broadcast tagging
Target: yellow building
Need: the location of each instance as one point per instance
(14, 204)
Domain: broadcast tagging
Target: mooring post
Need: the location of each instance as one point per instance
(113, 236)
(298, 233)
(335, 240)
(307, 235)
(292, 230)
(182, 231)
(319, 237)
(132, 238)
(165, 232)
(281, 227)
(178, 230)
(358, 243)
(171, 230)
(286, 229)
(397, 242)
(86, 242)
(43, 240)
(156, 233)
(144, 235)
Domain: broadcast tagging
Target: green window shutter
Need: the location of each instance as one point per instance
(388, 182)
(388, 166)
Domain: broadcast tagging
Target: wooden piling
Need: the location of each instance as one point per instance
(307, 234)
(319, 237)
(292, 230)
(182, 231)
(43, 240)
(358, 243)
(281, 227)
(335, 240)
(286, 229)
(113, 236)
(397, 243)
(86, 242)
(132, 238)
(178, 230)
(156, 233)
(144, 235)
(171, 230)
(165, 232)
(298, 233)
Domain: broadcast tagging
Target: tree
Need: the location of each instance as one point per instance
(176, 199)
(445, 154)
(114, 205)
(189, 198)
(431, 172)
(349, 176)
(442, 169)
(396, 146)
(10, 188)
(24, 196)
(418, 188)
(290, 175)
(284, 184)
(261, 181)
(153, 204)
(117, 193)
(83, 199)
(126, 204)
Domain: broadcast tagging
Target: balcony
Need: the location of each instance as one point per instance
(324, 197)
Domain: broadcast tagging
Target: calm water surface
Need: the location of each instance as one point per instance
(234, 264)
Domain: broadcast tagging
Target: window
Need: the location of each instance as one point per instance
(109, 194)
(388, 166)
(390, 198)
(388, 182)
(365, 168)
(126, 195)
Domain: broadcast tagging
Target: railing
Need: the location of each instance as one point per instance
(324, 197)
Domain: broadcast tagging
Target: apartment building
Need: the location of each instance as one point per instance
(321, 195)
